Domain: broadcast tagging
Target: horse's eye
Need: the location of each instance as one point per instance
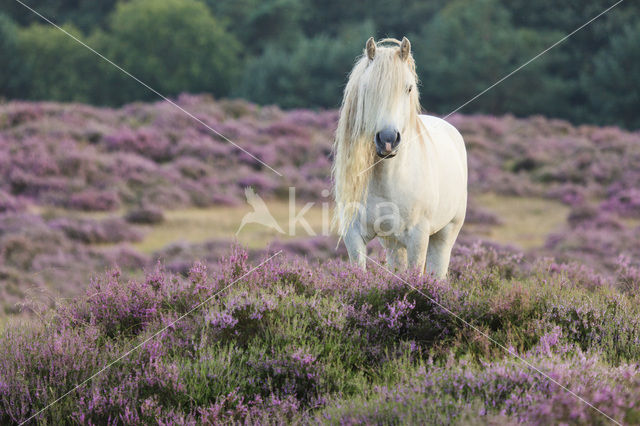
(409, 89)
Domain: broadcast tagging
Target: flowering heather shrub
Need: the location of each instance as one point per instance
(597, 242)
(503, 391)
(628, 276)
(146, 141)
(576, 274)
(9, 203)
(118, 307)
(320, 248)
(231, 407)
(94, 200)
(146, 215)
(296, 341)
(23, 237)
(178, 257)
(293, 373)
(488, 259)
(113, 230)
(625, 202)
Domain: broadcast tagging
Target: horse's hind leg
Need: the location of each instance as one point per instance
(439, 251)
(417, 245)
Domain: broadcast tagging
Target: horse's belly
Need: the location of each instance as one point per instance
(385, 217)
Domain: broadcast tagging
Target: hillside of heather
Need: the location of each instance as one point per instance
(81, 187)
(97, 208)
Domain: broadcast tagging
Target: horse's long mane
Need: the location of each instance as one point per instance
(362, 104)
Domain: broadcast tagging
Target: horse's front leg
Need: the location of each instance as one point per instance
(356, 246)
(396, 254)
(417, 244)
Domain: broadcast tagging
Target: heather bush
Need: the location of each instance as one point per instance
(117, 307)
(94, 200)
(147, 142)
(625, 202)
(113, 230)
(628, 276)
(9, 203)
(575, 274)
(146, 215)
(598, 242)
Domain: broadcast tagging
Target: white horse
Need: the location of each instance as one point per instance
(398, 175)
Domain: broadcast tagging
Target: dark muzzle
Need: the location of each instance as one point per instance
(387, 141)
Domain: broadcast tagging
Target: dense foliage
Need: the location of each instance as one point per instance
(296, 53)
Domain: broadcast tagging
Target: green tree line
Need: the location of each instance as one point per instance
(297, 53)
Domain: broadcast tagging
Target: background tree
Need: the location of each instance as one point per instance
(390, 18)
(613, 86)
(172, 45)
(54, 65)
(312, 72)
(468, 46)
(257, 23)
(573, 58)
(10, 73)
(85, 15)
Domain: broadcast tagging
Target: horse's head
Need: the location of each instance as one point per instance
(379, 110)
(388, 92)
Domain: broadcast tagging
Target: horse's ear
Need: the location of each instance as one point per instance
(405, 48)
(371, 48)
